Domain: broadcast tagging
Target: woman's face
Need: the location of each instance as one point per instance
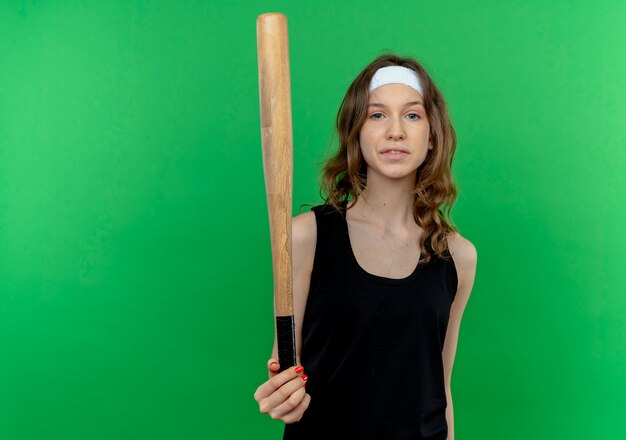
(395, 137)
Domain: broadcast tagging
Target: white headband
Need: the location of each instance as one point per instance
(396, 75)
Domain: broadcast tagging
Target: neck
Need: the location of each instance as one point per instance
(387, 203)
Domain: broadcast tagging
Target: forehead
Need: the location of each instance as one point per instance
(395, 94)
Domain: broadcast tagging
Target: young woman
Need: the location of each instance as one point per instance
(381, 276)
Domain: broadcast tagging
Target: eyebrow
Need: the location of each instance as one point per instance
(378, 104)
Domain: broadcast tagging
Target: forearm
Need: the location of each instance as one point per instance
(450, 415)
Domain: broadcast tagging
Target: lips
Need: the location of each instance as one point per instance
(394, 155)
(400, 149)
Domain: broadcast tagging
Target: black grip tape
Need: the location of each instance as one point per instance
(286, 337)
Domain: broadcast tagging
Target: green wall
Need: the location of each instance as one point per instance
(135, 265)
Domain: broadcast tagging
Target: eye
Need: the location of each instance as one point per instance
(416, 116)
(374, 114)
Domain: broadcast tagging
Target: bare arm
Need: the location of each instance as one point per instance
(465, 258)
(283, 395)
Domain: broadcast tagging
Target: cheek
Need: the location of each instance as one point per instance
(365, 148)
(366, 135)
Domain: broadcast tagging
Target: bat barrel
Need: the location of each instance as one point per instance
(277, 143)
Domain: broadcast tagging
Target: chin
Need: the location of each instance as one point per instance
(398, 176)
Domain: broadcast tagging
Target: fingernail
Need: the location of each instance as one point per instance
(304, 377)
(273, 363)
(299, 369)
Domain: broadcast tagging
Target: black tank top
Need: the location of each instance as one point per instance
(371, 345)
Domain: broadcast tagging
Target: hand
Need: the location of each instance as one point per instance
(283, 396)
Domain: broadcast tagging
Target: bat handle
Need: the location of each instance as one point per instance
(285, 335)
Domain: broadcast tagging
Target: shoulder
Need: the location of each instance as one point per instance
(303, 238)
(462, 248)
(465, 257)
(304, 228)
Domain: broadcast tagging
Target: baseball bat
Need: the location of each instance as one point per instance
(277, 147)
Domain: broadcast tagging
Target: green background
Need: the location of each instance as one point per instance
(135, 265)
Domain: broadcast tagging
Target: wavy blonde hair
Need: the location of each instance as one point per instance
(344, 175)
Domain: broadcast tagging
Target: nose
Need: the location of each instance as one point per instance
(395, 130)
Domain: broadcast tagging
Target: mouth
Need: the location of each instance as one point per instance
(394, 153)
(394, 150)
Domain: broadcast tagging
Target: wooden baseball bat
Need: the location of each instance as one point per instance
(277, 146)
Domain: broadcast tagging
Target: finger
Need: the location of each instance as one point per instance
(287, 406)
(298, 411)
(277, 381)
(273, 366)
(280, 395)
